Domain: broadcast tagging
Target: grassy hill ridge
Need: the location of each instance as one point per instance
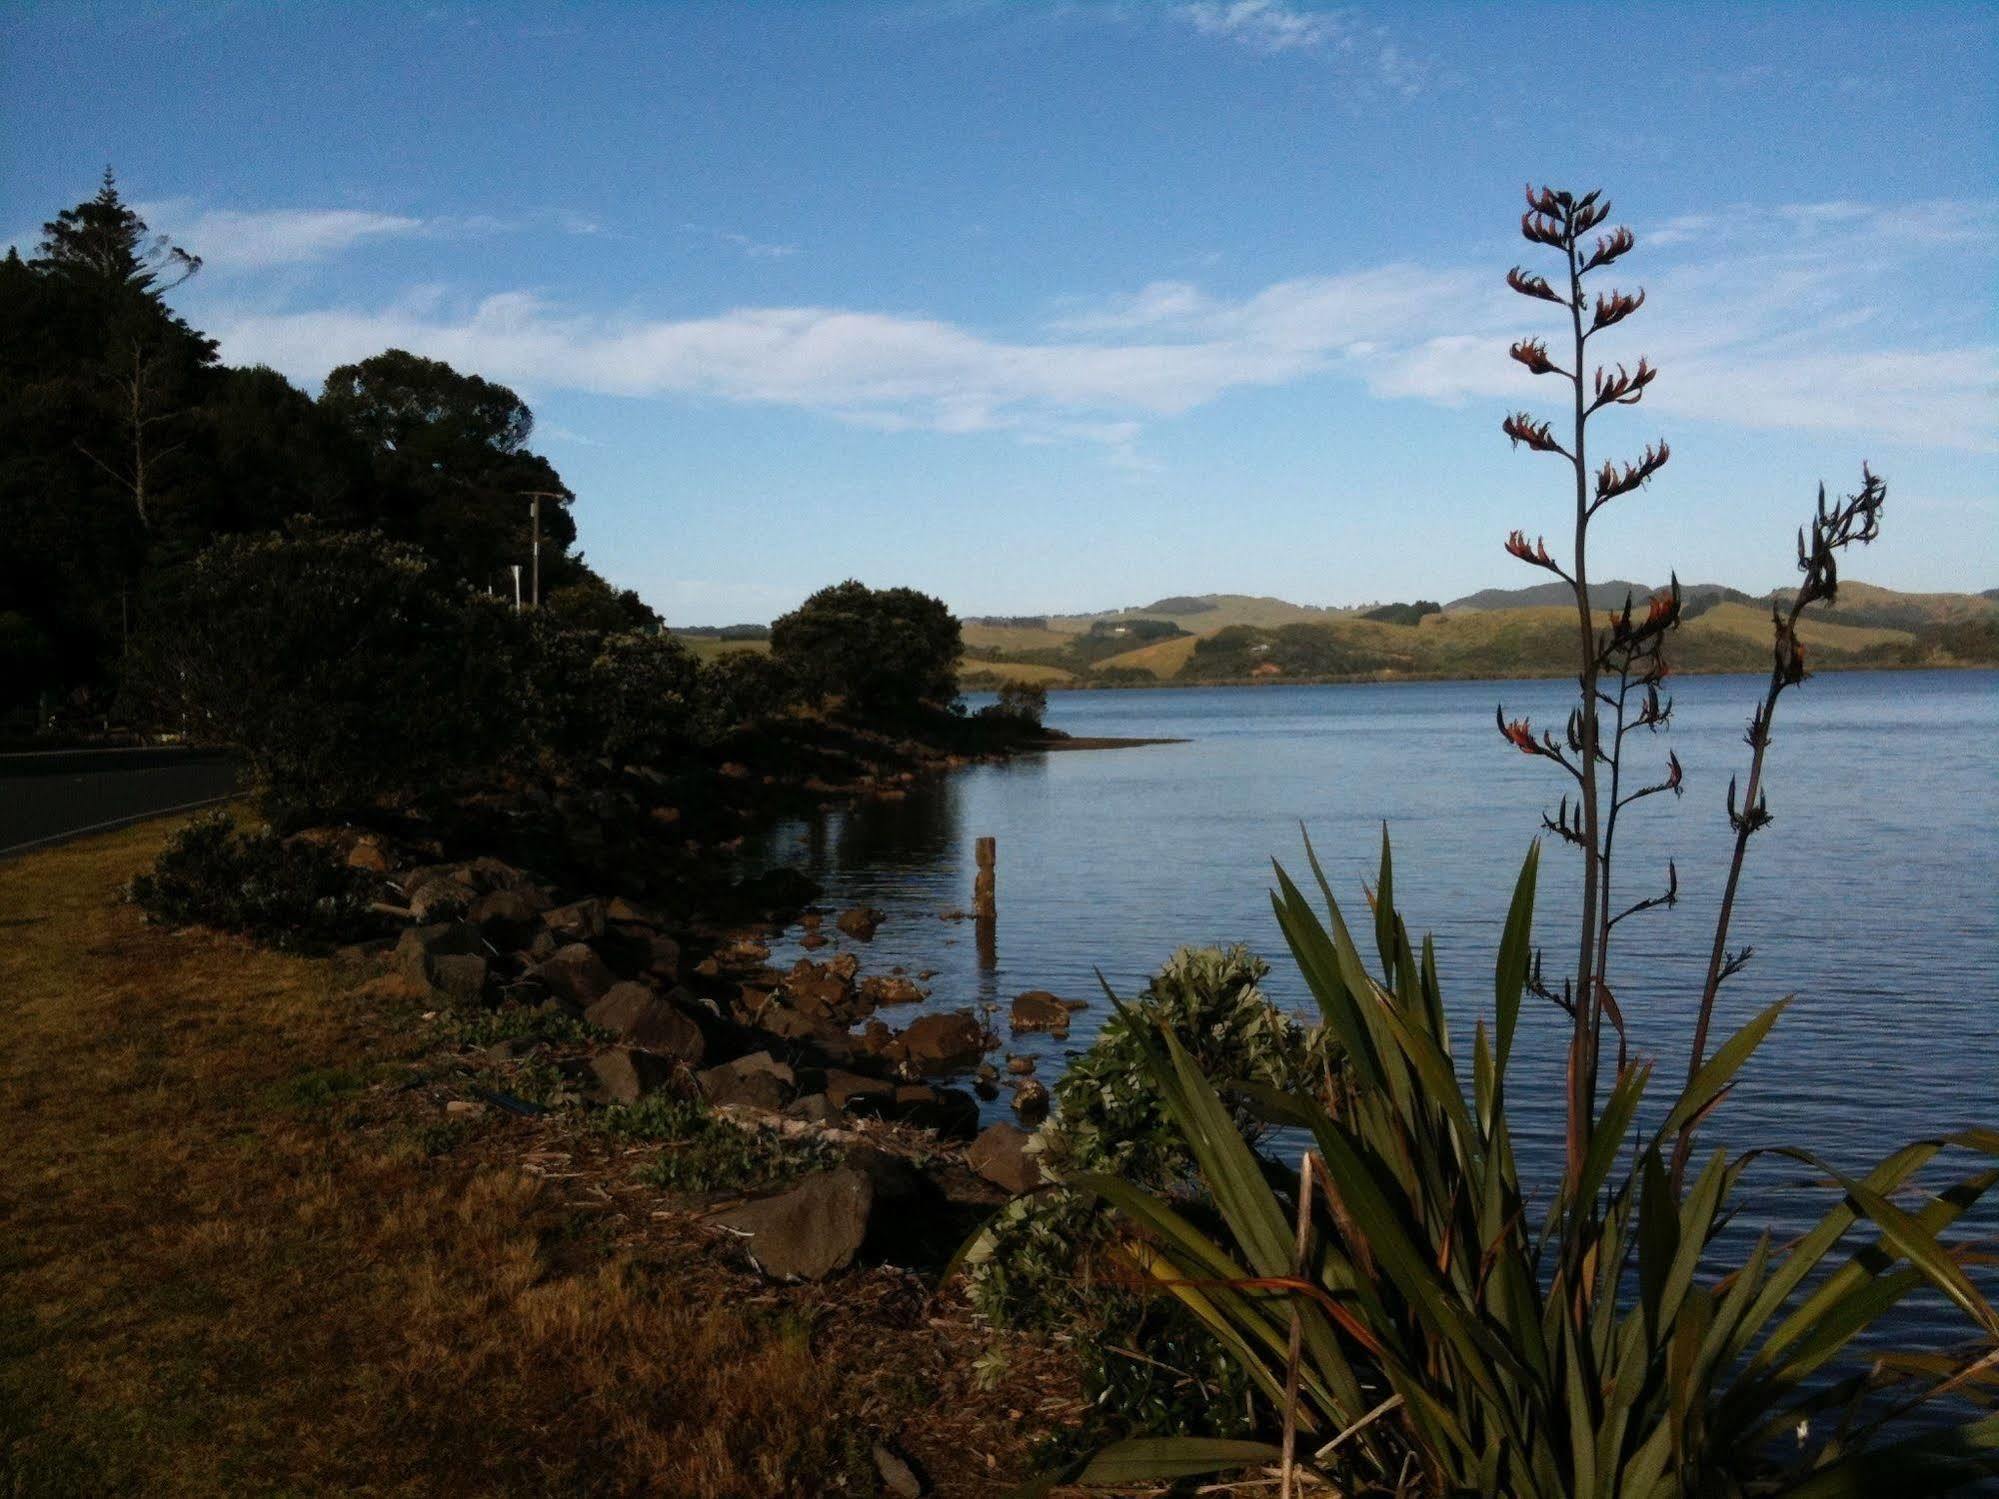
(1494, 633)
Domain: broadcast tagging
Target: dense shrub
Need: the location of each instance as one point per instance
(1025, 703)
(1041, 1261)
(291, 894)
(882, 648)
(341, 664)
(742, 687)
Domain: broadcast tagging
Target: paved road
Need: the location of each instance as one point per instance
(47, 797)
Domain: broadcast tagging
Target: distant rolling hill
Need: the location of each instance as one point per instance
(1493, 633)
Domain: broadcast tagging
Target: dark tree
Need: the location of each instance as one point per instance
(451, 463)
(878, 648)
(341, 664)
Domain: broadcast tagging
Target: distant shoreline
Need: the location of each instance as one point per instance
(1389, 679)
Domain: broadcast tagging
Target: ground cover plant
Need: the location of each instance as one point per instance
(1416, 1317)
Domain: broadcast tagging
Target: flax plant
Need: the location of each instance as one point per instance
(1416, 1323)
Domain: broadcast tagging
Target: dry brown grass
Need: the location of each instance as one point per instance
(233, 1264)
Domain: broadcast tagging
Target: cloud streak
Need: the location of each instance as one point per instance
(1276, 27)
(1792, 336)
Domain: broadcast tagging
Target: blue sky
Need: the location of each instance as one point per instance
(1055, 307)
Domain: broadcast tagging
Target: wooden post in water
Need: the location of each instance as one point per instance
(984, 906)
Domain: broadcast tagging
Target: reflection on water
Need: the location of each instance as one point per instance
(1872, 896)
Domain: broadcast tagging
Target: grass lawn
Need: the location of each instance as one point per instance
(246, 1251)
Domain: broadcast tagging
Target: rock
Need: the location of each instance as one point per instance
(1020, 1066)
(632, 913)
(369, 854)
(464, 1108)
(506, 916)
(577, 974)
(815, 1108)
(663, 958)
(860, 922)
(541, 947)
(1030, 1101)
(845, 965)
(636, 1015)
(939, 1043)
(951, 1112)
(812, 940)
(758, 1081)
(436, 894)
(1001, 1156)
(897, 1476)
(880, 991)
(810, 921)
(1038, 1010)
(985, 1072)
(820, 989)
(623, 1075)
(419, 948)
(579, 921)
(845, 1088)
(462, 976)
(496, 874)
(809, 1231)
(826, 1037)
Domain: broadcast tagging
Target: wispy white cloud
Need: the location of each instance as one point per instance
(1800, 328)
(1274, 27)
(756, 249)
(229, 239)
(246, 240)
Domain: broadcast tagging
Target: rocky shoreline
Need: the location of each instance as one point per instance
(575, 1001)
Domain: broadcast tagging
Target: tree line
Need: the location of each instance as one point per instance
(328, 582)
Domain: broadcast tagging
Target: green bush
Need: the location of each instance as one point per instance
(290, 894)
(703, 1154)
(341, 664)
(1024, 703)
(741, 687)
(887, 648)
(1443, 1332)
(1042, 1260)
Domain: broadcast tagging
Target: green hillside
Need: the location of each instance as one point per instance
(1495, 633)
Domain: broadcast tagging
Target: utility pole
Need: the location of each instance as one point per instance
(534, 498)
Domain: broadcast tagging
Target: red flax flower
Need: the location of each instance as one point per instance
(1518, 733)
(1537, 554)
(1663, 607)
(1533, 353)
(1534, 286)
(1610, 483)
(1616, 307)
(1537, 435)
(1623, 388)
(1609, 247)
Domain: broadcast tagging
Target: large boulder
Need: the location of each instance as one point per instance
(951, 1112)
(890, 989)
(507, 917)
(579, 921)
(939, 1043)
(641, 1018)
(757, 1081)
(420, 949)
(575, 973)
(623, 1075)
(860, 922)
(1038, 1010)
(1001, 1156)
(810, 1230)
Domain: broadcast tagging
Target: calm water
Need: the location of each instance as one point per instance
(1874, 896)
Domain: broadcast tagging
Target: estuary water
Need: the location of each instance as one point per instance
(1873, 896)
